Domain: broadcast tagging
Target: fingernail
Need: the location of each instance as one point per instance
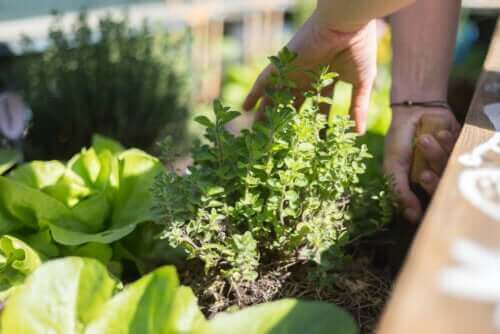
(426, 177)
(411, 215)
(444, 135)
(424, 140)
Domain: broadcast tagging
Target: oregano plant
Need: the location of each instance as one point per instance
(284, 192)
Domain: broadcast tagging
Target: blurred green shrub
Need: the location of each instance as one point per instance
(125, 83)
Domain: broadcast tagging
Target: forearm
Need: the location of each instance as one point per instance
(423, 42)
(350, 15)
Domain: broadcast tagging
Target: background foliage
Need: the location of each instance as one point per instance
(130, 85)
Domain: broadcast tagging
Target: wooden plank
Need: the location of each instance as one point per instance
(481, 4)
(417, 304)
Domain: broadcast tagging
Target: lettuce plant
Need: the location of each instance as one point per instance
(82, 207)
(77, 296)
(283, 192)
(17, 261)
(8, 158)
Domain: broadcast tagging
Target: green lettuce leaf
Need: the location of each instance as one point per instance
(99, 196)
(38, 174)
(287, 316)
(133, 202)
(62, 296)
(23, 207)
(94, 250)
(75, 296)
(153, 304)
(17, 261)
(43, 243)
(8, 158)
(78, 296)
(101, 143)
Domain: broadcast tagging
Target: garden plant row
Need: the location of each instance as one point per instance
(88, 246)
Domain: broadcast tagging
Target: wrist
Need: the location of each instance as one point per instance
(421, 92)
(324, 18)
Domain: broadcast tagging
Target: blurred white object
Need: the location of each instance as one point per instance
(14, 116)
(475, 158)
(476, 275)
(481, 187)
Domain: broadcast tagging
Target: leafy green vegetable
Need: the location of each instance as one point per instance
(283, 192)
(287, 316)
(78, 296)
(62, 296)
(17, 261)
(100, 195)
(8, 158)
(154, 304)
(82, 208)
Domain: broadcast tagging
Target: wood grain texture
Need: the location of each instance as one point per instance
(417, 305)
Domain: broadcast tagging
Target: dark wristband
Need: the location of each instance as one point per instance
(422, 104)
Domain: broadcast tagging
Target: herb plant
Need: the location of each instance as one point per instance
(284, 192)
(125, 83)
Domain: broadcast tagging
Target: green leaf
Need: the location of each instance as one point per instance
(94, 250)
(8, 158)
(24, 207)
(75, 296)
(69, 189)
(133, 202)
(43, 243)
(72, 237)
(17, 261)
(38, 174)
(86, 165)
(101, 144)
(96, 198)
(286, 316)
(61, 296)
(93, 212)
(153, 304)
(205, 121)
(229, 116)
(212, 191)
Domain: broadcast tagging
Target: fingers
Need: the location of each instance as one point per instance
(429, 181)
(436, 150)
(359, 105)
(447, 140)
(258, 89)
(433, 153)
(409, 202)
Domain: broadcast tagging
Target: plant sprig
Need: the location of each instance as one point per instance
(282, 191)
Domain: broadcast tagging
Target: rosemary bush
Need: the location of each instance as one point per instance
(286, 191)
(128, 84)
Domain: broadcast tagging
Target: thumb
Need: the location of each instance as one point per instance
(360, 102)
(257, 90)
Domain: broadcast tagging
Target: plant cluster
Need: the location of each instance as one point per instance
(285, 191)
(125, 83)
(87, 207)
(77, 295)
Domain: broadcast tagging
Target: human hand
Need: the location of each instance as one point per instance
(436, 150)
(351, 54)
